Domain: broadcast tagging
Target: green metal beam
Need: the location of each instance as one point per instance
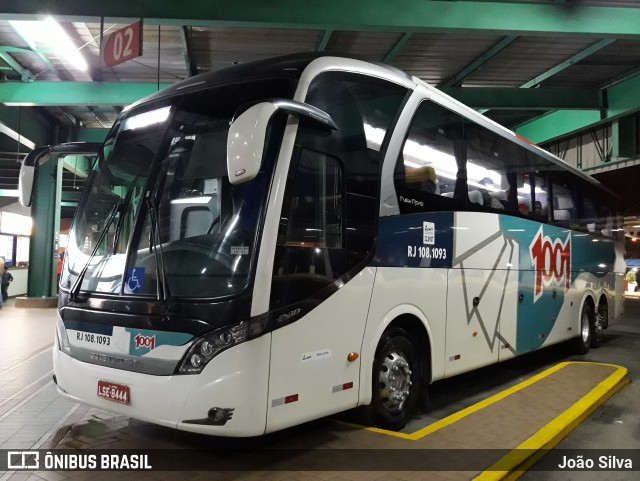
(479, 62)
(324, 41)
(503, 18)
(9, 49)
(397, 48)
(528, 99)
(569, 62)
(71, 196)
(104, 93)
(566, 64)
(25, 74)
(557, 124)
(75, 93)
(78, 165)
(622, 99)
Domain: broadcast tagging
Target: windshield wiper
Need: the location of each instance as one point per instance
(162, 282)
(125, 207)
(75, 290)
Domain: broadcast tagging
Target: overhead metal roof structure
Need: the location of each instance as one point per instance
(544, 66)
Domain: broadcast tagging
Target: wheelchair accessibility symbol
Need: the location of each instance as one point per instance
(135, 279)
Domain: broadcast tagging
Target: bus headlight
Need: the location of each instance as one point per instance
(61, 335)
(212, 344)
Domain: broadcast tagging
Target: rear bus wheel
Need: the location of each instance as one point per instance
(396, 381)
(583, 342)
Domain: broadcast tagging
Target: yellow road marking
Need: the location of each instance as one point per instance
(467, 411)
(529, 452)
(521, 459)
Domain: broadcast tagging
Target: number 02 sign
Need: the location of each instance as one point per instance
(123, 45)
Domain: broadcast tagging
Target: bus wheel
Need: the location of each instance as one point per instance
(587, 330)
(396, 381)
(601, 323)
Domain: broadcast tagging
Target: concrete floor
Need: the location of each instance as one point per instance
(33, 415)
(616, 425)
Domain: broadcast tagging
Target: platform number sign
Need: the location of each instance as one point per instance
(122, 45)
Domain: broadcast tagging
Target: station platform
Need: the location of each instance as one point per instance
(499, 437)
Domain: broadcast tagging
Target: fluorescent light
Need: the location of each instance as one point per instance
(146, 119)
(204, 199)
(48, 33)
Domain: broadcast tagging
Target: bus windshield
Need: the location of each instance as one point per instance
(160, 204)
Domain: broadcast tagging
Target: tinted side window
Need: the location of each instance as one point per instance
(563, 200)
(488, 156)
(596, 211)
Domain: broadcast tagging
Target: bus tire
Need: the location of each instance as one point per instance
(395, 381)
(583, 342)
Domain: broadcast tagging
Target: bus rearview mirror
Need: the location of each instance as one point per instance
(41, 155)
(27, 177)
(247, 134)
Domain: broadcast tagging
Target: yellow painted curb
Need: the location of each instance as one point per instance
(431, 428)
(531, 450)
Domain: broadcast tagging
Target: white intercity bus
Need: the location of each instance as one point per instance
(285, 239)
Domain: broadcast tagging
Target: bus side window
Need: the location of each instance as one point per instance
(427, 167)
(564, 204)
(488, 154)
(589, 214)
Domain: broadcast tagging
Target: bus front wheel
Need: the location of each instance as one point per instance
(396, 381)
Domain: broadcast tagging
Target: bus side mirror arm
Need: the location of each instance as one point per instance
(41, 155)
(247, 134)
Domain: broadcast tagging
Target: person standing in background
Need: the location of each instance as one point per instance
(60, 261)
(7, 279)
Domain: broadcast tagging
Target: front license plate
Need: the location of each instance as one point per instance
(114, 392)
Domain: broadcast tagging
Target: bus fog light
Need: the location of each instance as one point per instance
(210, 345)
(220, 416)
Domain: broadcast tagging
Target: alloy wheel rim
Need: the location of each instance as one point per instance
(394, 381)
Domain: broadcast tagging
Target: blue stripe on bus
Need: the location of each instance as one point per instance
(426, 240)
(103, 329)
(537, 313)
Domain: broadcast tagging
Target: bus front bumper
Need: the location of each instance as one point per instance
(228, 398)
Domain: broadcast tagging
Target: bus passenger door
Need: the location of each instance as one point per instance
(318, 295)
(312, 373)
(322, 281)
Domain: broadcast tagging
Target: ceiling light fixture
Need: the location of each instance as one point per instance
(48, 33)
